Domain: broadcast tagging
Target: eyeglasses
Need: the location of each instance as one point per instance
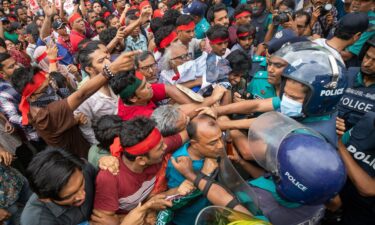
(147, 68)
(182, 57)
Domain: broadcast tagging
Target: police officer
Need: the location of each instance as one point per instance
(359, 97)
(357, 152)
(260, 19)
(313, 85)
(266, 84)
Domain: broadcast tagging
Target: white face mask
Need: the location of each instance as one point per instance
(290, 107)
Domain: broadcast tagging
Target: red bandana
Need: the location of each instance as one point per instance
(168, 40)
(190, 26)
(218, 41)
(139, 149)
(144, 4)
(74, 17)
(245, 34)
(29, 89)
(243, 14)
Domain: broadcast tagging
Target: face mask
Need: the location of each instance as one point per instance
(290, 107)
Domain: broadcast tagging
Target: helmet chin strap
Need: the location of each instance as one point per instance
(335, 73)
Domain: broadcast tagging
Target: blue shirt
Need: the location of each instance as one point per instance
(67, 58)
(133, 44)
(186, 215)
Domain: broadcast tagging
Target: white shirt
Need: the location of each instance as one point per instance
(323, 42)
(95, 107)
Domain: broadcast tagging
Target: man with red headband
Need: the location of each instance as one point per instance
(186, 35)
(51, 116)
(139, 98)
(141, 149)
(242, 16)
(77, 34)
(245, 38)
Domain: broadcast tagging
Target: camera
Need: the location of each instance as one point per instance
(325, 9)
(282, 17)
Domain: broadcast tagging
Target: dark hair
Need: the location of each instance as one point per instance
(300, 13)
(172, 3)
(288, 3)
(134, 131)
(217, 31)
(131, 12)
(59, 79)
(155, 24)
(246, 28)
(359, 24)
(184, 20)
(122, 80)
(106, 128)
(50, 170)
(107, 35)
(241, 8)
(191, 128)
(16, 8)
(101, 20)
(14, 26)
(4, 56)
(32, 29)
(213, 9)
(85, 49)
(109, 18)
(21, 77)
(141, 57)
(163, 32)
(170, 17)
(2, 43)
(239, 61)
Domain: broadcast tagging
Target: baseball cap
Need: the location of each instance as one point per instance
(353, 23)
(283, 37)
(57, 24)
(196, 8)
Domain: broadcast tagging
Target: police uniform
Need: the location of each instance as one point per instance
(259, 63)
(259, 88)
(357, 99)
(360, 143)
(280, 211)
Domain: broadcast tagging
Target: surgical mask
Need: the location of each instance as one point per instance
(290, 107)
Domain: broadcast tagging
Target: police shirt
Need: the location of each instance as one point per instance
(356, 101)
(259, 88)
(360, 143)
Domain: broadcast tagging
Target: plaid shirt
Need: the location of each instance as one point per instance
(9, 101)
(318, 29)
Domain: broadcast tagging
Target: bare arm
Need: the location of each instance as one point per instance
(361, 180)
(246, 107)
(124, 62)
(83, 8)
(234, 124)
(175, 94)
(193, 83)
(1, 30)
(49, 10)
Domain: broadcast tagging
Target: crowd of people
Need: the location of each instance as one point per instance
(152, 112)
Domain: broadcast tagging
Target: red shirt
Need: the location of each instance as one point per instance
(127, 112)
(75, 39)
(123, 192)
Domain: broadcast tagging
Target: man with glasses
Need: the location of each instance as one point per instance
(146, 65)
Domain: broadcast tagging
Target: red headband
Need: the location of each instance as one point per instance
(29, 89)
(144, 4)
(245, 13)
(168, 40)
(138, 75)
(98, 23)
(218, 41)
(74, 17)
(41, 57)
(190, 26)
(158, 13)
(245, 34)
(139, 149)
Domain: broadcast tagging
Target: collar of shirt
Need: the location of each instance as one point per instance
(57, 210)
